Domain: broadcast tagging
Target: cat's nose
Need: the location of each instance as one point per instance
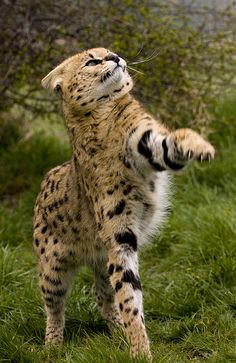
(112, 57)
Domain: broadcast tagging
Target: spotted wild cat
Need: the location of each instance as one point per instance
(101, 206)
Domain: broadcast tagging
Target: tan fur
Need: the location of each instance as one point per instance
(100, 206)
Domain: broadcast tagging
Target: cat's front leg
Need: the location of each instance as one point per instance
(157, 149)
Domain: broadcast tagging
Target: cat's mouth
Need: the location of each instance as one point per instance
(109, 74)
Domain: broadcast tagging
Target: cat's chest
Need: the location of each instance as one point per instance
(153, 206)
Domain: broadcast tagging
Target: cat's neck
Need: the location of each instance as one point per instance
(100, 112)
(85, 124)
(89, 132)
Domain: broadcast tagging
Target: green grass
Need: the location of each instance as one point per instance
(188, 272)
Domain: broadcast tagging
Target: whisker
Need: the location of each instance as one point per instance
(140, 50)
(148, 59)
(135, 70)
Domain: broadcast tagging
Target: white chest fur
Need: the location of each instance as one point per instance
(160, 198)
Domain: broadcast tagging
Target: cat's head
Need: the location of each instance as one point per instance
(90, 78)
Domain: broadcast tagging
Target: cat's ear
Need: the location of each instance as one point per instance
(53, 80)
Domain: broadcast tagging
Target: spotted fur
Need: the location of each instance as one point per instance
(103, 204)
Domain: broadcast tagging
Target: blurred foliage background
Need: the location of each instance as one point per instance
(187, 49)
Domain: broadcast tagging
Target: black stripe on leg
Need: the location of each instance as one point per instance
(130, 277)
(168, 162)
(57, 293)
(127, 237)
(52, 281)
(144, 150)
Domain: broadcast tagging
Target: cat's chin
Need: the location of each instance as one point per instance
(113, 75)
(114, 83)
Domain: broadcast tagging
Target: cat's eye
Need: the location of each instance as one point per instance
(93, 62)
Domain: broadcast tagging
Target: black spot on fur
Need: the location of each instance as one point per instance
(52, 186)
(84, 104)
(55, 241)
(75, 230)
(121, 307)
(123, 109)
(110, 191)
(118, 90)
(56, 268)
(127, 310)
(54, 224)
(119, 268)
(118, 286)
(87, 114)
(57, 185)
(128, 299)
(111, 269)
(135, 311)
(128, 237)
(146, 206)
(92, 151)
(61, 218)
(42, 251)
(36, 241)
(152, 186)
(127, 190)
(43, 230)
(129, 276)
(102, 97)
(118, 209)
(55, 205)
